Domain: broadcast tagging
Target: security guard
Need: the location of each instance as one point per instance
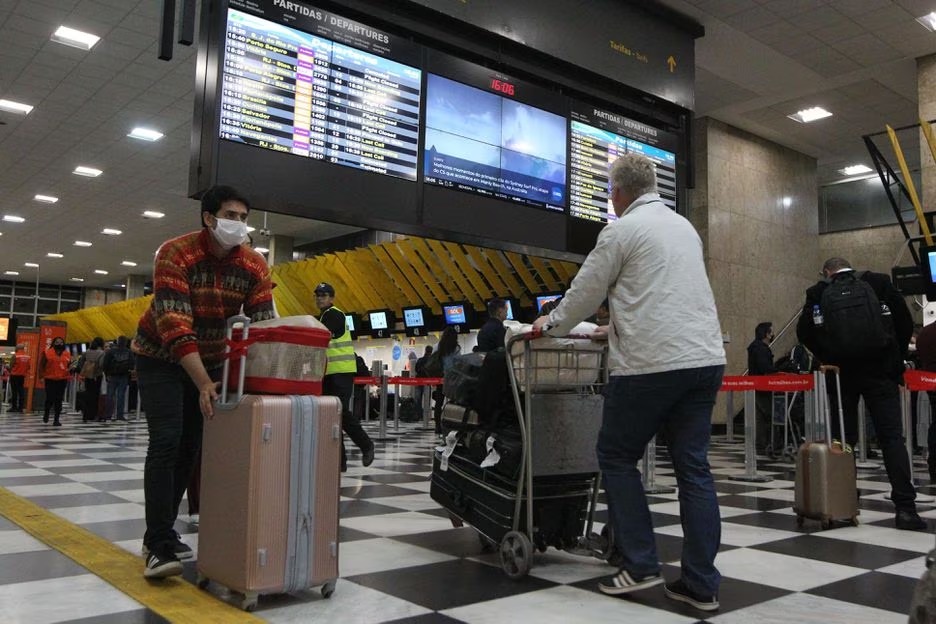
(339, 374)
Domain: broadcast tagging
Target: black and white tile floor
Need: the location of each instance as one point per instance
(402, 561)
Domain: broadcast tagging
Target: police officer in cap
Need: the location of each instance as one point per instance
(339, 374)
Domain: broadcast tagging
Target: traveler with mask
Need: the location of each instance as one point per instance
(200, 280)
(19, 369)
(760, 361)
(53, 369)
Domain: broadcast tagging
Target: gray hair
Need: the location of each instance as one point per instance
(836, 264)
(634, 174)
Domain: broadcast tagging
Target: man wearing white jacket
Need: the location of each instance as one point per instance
(667, 361)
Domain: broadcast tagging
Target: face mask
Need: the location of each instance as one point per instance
(230, 233)
(58, 347)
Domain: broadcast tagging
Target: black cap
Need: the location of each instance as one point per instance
(325, 288)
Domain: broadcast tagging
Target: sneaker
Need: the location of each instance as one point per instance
(909, 520)
(624, 583)
(56, 424)
(679, 592)
(160, 566)
(368, 458)
(180, 549)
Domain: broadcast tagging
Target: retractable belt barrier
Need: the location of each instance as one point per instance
(384, 382)
(749, 384)
(914, 381)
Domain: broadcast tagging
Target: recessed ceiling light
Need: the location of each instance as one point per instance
(152, 214)
(15, 107)
(810, 114)
(53, 254)
(46, 199)
(11, 272)
(100, 271)
(145, 134)
(83, 244)
(262, 249)
(75, 38)
(76, 279)
(111, 232)
(31, 265)
(787, 202)
(855, 170)
(128, 263)
(88, 172)
(121, 285)
(928, 21)
(13, 219)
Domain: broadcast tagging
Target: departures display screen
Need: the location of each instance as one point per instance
(290, 91)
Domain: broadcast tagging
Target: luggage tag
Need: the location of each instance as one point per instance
(450, 440)
(493, 457)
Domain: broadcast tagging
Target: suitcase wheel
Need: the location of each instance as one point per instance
(328, 589)
(516, 554)
(202, 581)
(249, 603)
(826, 524)
(800, 520)
(854, 521)
(487, 545)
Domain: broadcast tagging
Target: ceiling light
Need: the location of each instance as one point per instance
(251, 229)
(928, 21)
(15, 107)
(13, 219)
(76, 279)
(122, 285)
(88, 172)
(128, 263)
(31, 265)
(810, 114)
(46, 199)
(152, 214)
(111, 232)
(262, 249)
(11, 272)
(145, 134)
(75, 38)
(100, 271)
(855, 170)
(83, 244)
(53, 254)
(787, 202)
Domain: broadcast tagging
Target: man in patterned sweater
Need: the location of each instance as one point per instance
(200, 279)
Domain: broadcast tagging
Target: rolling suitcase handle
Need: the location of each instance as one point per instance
(229, 333)
(841, 412)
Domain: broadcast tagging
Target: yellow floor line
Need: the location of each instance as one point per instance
(174, 599)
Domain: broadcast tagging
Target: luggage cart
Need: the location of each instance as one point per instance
(552, 499)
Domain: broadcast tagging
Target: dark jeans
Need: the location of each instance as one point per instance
(931, 435)
(92, 398)
(174, 422)
(341, 385)
(116, 394)
(882, 402)
(54, 395)
(17, 393)
(679, 403)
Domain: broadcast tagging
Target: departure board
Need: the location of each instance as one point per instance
(290, 91)
(597, 139)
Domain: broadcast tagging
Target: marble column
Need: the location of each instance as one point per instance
(281, 249)
(134, 287)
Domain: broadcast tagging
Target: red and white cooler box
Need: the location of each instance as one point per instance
(284, 356)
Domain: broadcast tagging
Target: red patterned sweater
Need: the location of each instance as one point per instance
(194, 293)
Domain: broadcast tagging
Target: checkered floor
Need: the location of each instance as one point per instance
(401, 560)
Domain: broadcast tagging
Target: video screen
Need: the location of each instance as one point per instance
(510, 307)
(492, 145)
(289, 91)
(413, 317)
(4, 328)
(378, 320)
(542, 300)
(597, 139)
(454, 314)
(931, 258)
(349, 322)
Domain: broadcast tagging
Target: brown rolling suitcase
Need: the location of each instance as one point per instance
(826, 488)
(269, 494)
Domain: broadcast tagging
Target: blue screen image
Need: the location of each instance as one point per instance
(454, 314)
(541, 300)
(413, 317)
(491, 144)
(931, 256)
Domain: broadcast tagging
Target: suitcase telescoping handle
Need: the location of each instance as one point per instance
(229, 333)
(837, 372)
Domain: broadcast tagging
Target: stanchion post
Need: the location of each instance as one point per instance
(750, 435)
(139, 405)
(649, 471)
(366, 403)
(396, 407)
(863, 462)
(729, 417)
(426, 408)
(907, 425)
(382, 435)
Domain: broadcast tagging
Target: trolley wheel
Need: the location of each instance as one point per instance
(854, 521)
(516, 554)
(202, 581)
(328, 589)
(800, 520)
(607, 540)
(487, 545)
(249, 603)
(826, 524)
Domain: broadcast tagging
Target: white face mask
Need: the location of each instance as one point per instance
(229, 233)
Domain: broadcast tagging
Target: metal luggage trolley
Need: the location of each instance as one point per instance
(558, 403)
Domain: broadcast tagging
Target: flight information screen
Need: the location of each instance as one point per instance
(597, 139)
(287, 90)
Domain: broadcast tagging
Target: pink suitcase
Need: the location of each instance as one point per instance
(269, 495)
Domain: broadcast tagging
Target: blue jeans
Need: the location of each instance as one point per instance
(116, 394)
(636, 408)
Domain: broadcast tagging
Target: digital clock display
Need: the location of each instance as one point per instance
(502, 87)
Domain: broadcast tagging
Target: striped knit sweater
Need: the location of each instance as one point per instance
(194, 293)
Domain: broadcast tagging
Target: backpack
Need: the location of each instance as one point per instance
(461, 379)
(119, 362)
(90, 369)
(433, 365)
(854, 323)
(801, 360)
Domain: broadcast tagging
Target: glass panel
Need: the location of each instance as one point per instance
(25, 320)
(6, 288)
(69, 306)
(71, 294)
(23, 289)
(4, 303)
(48, 306)
(24, 305)
(48, 292)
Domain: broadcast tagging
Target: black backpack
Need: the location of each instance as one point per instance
(119, 363)
(855, 324)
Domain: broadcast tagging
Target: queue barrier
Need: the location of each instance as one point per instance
(914, 381)
(384, 382)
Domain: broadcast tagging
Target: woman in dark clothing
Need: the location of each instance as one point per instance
(446, 350)
(92, 373)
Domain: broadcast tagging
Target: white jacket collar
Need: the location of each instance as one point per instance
(643, 200)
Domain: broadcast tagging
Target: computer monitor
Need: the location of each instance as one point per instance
(415, 320)
(7, 331)
(456, 314)
(541, 300)
(513, 307)
(381, 323)
(928, 260)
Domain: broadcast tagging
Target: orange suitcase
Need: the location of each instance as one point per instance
(269, 495)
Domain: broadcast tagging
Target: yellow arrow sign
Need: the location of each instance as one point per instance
(672, 64)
